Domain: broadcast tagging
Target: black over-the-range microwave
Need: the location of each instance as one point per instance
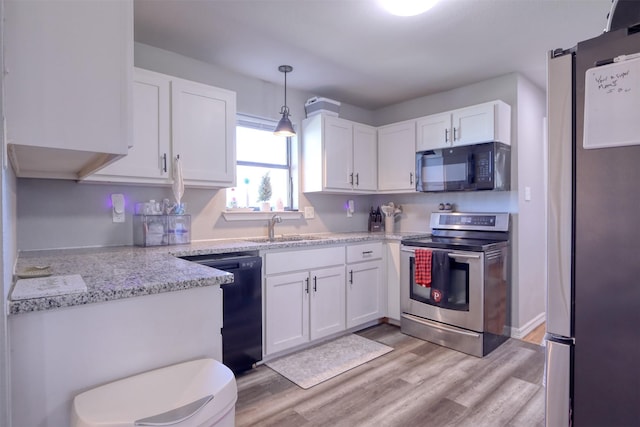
(484, 166)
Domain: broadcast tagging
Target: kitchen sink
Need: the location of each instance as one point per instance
(288, 238)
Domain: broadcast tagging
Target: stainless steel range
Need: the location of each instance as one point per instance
(455, 285)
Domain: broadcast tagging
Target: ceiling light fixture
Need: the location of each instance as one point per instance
(407, 7)
(285, 128)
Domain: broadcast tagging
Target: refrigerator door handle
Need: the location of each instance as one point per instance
(558, 380)
(559, 195)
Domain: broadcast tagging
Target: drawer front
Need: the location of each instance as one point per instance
(364, 252)
(305, 259)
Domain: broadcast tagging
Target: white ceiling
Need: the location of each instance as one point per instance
(354, 52)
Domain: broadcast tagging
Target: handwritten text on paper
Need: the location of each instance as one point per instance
(613, 82)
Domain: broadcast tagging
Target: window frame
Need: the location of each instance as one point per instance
(258, 123)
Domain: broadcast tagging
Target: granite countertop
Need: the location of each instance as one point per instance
(123, 272)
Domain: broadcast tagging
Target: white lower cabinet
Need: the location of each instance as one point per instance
(327, 302)
(364, 297)
(287, 311)
(365, 290)
(306, 304)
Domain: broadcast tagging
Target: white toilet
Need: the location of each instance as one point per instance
(200, 393)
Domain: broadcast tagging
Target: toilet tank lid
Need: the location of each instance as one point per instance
(183, 386)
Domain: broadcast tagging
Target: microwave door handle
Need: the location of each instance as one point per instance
(471, 173)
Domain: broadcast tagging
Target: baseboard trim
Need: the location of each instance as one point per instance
(528, 327)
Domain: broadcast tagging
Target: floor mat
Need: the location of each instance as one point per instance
(312, 366)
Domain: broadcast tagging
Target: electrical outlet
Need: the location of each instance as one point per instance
(351, 208)
(117, 202)
(309, 212)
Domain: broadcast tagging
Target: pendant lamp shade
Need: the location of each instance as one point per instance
(284, 127)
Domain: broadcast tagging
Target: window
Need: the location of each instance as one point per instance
(259, 155)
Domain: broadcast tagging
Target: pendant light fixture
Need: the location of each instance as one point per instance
(285, 128)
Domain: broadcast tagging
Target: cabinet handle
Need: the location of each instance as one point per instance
(306, 288)
(358, 179)
(351, 178)
(454, 134)
(164, 162)
(366, 253)
(411, 178)
(315, 284)
(446, 135)
(351, 277)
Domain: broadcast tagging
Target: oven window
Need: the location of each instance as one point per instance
(456, 294)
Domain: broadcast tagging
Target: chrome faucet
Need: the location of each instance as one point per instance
(272, 225)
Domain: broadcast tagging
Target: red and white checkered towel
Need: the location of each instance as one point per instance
(423, 267)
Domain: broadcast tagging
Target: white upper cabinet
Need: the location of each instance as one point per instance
(396, 157)
(480, 123)
(338, 155)
(434, 132)
(365, 157)
(486, 122)
(203, 133)
(337, 135)
(149, 160)
(175, 117)
(69, 67)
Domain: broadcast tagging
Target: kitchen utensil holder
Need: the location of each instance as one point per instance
(389, 223)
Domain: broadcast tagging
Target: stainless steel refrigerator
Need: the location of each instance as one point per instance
(593, 296)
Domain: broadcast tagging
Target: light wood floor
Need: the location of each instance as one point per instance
(417, 384)
(537, 335)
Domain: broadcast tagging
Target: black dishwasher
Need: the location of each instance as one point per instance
(241, 307)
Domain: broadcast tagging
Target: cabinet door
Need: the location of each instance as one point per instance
(365, 158)
(473, 125)
(337, 135)
(396, 157)
(67, 85)
(287, 311)
(434, 132)
(203, 133)
(149, 160)
(327, 301)
(364, 292)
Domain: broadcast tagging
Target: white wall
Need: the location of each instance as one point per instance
(65, 214)
(7, 250)
(531, 244)
(502, 87)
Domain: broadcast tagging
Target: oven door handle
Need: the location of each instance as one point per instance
(451, 254)
(455, 255)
